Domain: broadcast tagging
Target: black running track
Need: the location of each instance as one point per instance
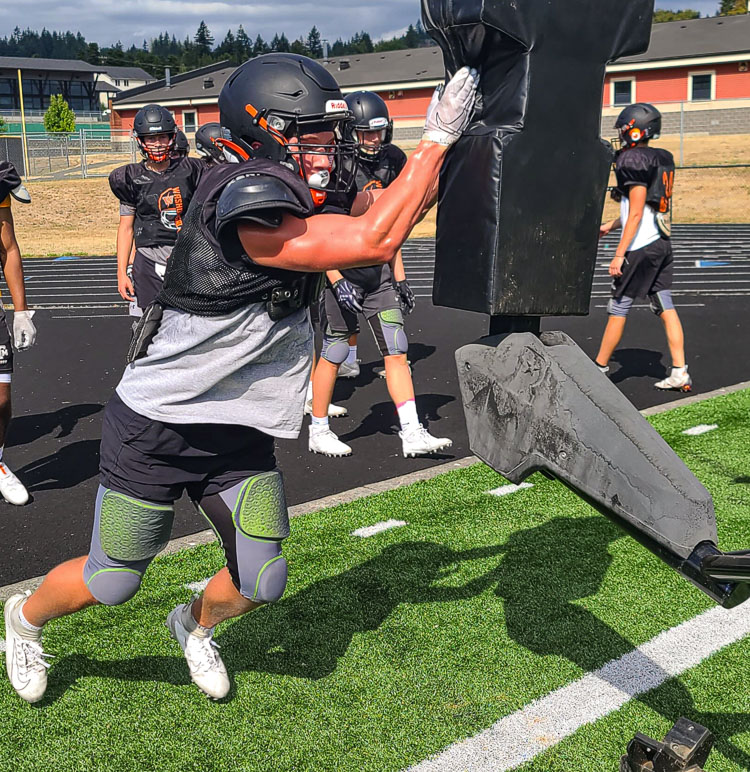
(62, 384)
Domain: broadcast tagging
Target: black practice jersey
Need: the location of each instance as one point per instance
(381, 172)
(9, 179)
(651, 167)
(160, 199)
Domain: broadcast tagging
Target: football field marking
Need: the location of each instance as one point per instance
(2, 644)
(544, 723)
(506, 490)
(371, 530)
(700, 429)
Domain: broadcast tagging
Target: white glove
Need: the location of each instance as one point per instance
(451, 108)
(24, 331)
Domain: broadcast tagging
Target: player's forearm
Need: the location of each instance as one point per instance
(13, 270)
(397, 267)
(124, 247)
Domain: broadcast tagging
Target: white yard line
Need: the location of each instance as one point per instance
(542, 724)
(505, 490)
(701, 429)
(371, 530)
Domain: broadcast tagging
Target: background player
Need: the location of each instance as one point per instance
(643, 262)
(381, 293)
(205, 143)
(24, 331)
(154, 195)
(219, 368)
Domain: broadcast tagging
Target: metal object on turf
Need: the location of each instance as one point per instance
(536, 402)
(685, 748)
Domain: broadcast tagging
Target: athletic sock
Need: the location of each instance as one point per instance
(26, 629)
(351, 358)
(407, 415)
(189, 623)
(319, 424)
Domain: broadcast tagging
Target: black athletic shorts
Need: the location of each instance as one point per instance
(379, 295)
(645, 271)
(6, 349)
(147, 282)
(156, 462)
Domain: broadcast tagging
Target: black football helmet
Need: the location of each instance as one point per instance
(154, 119)
(370, 114)
(205, 145)
(181, 145)
(638, 123)
(273, 98)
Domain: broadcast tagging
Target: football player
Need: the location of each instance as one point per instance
(206, 146)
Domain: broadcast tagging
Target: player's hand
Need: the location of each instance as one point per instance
(615, 267)
(451, 108)
(405, 296)
(348, 296)
(24, 330)
(125, 287)
(605, 228)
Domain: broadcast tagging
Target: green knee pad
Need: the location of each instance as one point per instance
(261, 510)
(130, 529)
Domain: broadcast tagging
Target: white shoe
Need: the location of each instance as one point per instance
(24, 657)
(678, 380)
(349, 369)
(207, 671)
(419, 442)
(11, 488)
(604, 370)
(324, 441)
(334, 411)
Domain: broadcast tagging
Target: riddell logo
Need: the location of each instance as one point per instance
(336, 106)
(171, 208)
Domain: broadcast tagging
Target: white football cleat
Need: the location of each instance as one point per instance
(678, 380)
(11, 488)
(334, 411)
(207, 671)
(419, 442)
(349, 370)
(24, 656)
(324, 441)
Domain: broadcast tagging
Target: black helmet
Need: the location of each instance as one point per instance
(150, 120)
(204, 142)
(181, 144)
(370, 114)
(274, 97)
(637, 123)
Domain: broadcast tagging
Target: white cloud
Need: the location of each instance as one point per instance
(106, 21)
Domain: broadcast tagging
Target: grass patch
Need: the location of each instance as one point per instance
(385, 650)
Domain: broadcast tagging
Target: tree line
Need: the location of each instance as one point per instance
(166, 50)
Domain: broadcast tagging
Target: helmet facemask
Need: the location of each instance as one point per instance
(153, 154)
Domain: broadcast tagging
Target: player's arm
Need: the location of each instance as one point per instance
(637, 203)
(611, 225)
(125, 232)
(10, 256)
(327, 242)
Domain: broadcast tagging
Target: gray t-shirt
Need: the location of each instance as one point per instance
(240, 368)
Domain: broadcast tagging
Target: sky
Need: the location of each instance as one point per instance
(132, 21)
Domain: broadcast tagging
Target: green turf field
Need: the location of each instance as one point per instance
(387, 649)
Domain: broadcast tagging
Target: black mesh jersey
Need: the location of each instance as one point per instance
(649, 166)
(209, 273)
(9, 179)
(380, 173)
(160, 198)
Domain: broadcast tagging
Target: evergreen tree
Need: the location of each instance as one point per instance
(203, 40)
(733, 7)
(298, 47)
(243, 45)
(661, 16)
(59, 117)
(314, 44)
(227, 48)
(259, 47)
(411, 38)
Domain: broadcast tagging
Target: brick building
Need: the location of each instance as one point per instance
(698, 71)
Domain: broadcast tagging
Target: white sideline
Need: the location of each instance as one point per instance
(371, 530)
(505, 490)
(525, 734)
(701, 429)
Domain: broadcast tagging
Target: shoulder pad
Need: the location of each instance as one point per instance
(634, 167)
(10, 182)
(260, 198)
(121, 183)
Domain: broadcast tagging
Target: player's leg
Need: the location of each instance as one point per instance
(678, 378)
(350, 366)
(618, 309)
(387, 324)
(11, 488)
(340, 324)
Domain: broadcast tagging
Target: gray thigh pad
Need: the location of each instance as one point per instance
(260, 506)
(130, 529)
